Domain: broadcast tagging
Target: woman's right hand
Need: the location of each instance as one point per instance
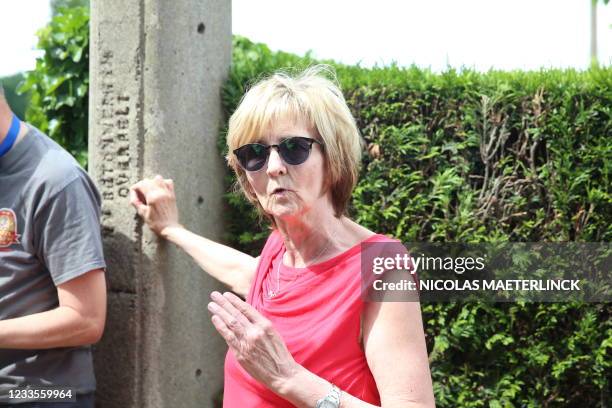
(155, 202)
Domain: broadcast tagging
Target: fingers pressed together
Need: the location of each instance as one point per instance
(233, 317)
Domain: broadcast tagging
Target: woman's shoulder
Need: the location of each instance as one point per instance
(363, 234)
(273, 243)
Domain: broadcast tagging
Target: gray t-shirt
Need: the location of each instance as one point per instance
(49, 234)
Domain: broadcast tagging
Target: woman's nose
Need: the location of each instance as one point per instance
(276, 165)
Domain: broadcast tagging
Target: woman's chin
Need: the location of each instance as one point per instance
(282, 212)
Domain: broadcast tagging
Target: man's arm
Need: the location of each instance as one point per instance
(78, 320)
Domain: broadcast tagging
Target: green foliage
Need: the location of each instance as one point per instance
(462, 156)
(57, 6)
(59, 86)
(17, 102)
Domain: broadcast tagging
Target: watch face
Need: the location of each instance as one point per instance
(327, 404)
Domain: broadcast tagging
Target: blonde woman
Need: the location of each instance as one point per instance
(304, 336)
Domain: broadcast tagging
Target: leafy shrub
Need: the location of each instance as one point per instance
(59, 85)
(17, 102)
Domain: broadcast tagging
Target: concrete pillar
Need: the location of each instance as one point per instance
(156, 71)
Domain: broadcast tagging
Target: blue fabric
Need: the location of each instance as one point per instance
(11, 136)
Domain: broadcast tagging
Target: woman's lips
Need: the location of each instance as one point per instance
(280, 192)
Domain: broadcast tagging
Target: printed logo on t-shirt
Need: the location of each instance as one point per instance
(8, 228)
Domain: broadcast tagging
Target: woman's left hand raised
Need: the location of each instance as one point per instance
(256, 344)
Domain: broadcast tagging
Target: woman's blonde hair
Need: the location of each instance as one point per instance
(312, 97)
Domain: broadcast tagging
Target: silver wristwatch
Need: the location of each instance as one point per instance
(331, 400)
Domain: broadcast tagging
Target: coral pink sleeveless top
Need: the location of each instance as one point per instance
(317, 312)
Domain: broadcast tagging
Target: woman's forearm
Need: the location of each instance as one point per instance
(305, 388)
(228, 265)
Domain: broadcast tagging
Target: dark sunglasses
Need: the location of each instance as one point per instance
(293, 150)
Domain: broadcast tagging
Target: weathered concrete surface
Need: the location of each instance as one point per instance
(156, 70)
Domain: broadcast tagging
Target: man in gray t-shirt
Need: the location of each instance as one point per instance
(52, 285)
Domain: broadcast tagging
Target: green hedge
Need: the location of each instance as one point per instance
(544, 178)
(424, 179)
(59, 85)
(17, 102)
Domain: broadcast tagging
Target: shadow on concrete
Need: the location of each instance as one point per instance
(118, 357)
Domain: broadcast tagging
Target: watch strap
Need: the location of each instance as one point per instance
(332, 398)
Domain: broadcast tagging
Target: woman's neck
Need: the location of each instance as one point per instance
(309, 239)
